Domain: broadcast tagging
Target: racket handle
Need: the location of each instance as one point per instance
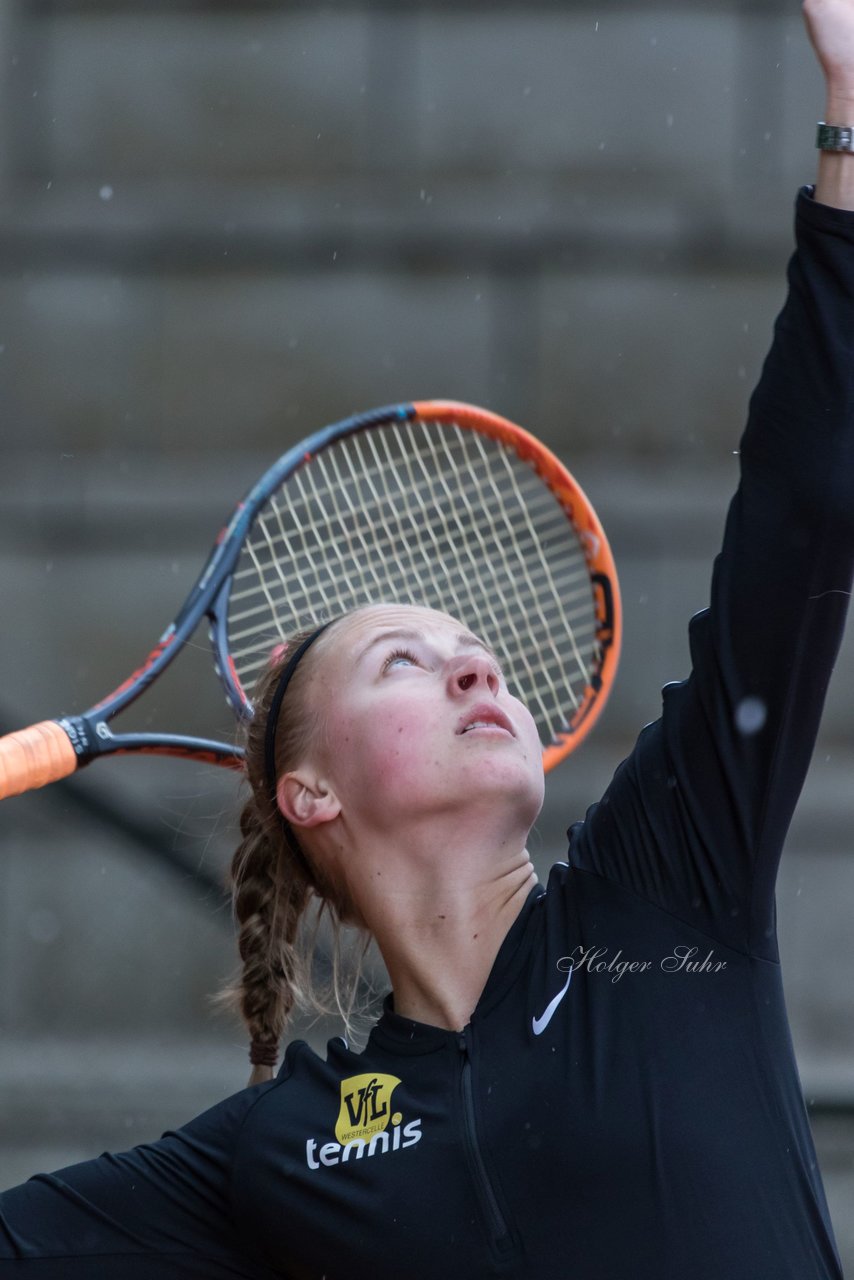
(33, 757)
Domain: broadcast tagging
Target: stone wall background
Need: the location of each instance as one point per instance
(223, 225)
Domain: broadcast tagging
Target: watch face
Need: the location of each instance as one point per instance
(835, 137)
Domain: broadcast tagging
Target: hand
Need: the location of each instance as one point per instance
(830, 26)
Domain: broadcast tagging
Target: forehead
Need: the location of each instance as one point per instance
(359, 628)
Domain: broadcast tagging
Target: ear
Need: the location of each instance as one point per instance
(305, 799)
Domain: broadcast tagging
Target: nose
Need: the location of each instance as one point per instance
(471, 670)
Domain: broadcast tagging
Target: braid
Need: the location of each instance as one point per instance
(270, 895)
(273, 885)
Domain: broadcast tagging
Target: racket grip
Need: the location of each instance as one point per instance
(33, 757)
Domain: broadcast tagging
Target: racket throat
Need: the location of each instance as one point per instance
(87, 735)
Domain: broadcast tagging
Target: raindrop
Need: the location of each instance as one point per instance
(750, 716)
(106, 192)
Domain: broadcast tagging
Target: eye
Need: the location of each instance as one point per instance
(397, 656)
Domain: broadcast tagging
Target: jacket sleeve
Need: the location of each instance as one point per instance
(158, 1212)
(694, 820)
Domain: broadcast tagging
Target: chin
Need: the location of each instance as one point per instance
(519, 786)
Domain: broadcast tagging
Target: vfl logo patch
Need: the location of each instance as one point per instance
(366, 1125)
(365, 1106)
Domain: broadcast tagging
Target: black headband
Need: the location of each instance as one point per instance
(276, 706)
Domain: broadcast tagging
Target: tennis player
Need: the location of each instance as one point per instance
(591, 1079)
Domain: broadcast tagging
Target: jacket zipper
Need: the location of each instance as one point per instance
(500, 1238)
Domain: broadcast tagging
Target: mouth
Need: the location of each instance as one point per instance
(485, 719)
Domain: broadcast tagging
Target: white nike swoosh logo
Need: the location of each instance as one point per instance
(538, 1025)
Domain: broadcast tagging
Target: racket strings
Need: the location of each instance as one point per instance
(569, 628)
(444, 565)
(496, 544)
(425, 513)
(302, 546)
(454, 576)
(303, 534)
(444, 570)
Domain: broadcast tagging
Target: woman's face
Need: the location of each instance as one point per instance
(417, 719)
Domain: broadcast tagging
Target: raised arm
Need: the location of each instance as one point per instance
(695, 819)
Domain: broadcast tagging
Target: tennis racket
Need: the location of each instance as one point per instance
(431, 503)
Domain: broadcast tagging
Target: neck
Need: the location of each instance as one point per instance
(439, 909)
(440, 957)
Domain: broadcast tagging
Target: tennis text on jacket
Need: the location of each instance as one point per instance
(366, 1125)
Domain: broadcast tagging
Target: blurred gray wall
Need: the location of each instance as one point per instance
(225, 224)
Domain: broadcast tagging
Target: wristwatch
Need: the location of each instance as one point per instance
(835, 137)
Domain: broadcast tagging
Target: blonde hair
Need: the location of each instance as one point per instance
(274, 887)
